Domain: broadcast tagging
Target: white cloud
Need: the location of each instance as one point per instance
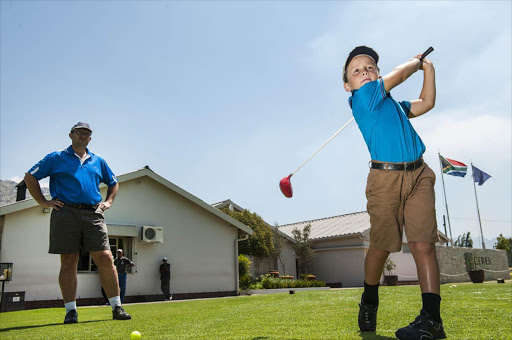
(16, 179)
(484, 136)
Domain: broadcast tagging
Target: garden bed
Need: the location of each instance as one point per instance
(281, 290)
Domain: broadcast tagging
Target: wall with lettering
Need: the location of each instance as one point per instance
(455, 262)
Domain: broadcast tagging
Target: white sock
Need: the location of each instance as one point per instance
(70, 306)
(115, 301)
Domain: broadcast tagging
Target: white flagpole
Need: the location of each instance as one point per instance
(477, 209)
(445, 201)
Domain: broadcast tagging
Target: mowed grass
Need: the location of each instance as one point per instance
(469, 311)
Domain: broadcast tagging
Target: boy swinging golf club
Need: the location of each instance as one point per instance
(400, 186)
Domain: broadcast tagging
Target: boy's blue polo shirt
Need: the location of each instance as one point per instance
(385, 124)
(70, 180)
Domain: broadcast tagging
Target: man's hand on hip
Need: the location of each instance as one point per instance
(55, 204)
(104, 205)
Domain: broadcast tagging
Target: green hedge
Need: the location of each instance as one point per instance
(275, 283)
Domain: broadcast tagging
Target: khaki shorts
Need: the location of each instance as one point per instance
(74, 230)
(398, 199)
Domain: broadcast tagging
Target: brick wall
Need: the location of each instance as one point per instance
(452, 263)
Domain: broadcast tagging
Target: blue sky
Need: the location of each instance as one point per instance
(226, 98)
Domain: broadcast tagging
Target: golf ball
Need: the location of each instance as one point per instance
(135, 335)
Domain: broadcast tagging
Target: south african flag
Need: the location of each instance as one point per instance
(454, 168)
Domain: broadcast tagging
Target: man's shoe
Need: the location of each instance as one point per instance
(119, 314)
(367, 318)
(424, 327)
(71, 316)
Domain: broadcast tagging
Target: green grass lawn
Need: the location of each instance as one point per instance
(469, 311)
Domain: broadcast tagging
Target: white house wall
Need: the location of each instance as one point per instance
(25, 244)
(198, 244)
(405, 266)
(340, 265)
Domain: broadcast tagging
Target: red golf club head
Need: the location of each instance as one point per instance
(286, 186)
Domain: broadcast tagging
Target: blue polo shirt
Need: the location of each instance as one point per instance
(385, 124)
(71, 180)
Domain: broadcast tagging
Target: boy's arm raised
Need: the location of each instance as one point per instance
(401, 73)
(427, 98)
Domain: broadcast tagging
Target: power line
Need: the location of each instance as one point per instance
(474, 219)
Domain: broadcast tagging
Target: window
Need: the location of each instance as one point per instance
(86, 264)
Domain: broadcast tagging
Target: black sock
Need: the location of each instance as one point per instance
(432, 305)
(371, 294)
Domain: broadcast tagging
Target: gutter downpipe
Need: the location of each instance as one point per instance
(237, 274)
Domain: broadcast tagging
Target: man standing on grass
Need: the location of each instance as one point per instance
(121, 262)
(77, 222)
(165, 278)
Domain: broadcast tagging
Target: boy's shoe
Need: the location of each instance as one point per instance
(367, 318)
(71, 316)
(119, 314)
(424, 327)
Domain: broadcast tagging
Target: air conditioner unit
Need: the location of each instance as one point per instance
(152, 234)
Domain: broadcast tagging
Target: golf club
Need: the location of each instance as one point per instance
(285, 183)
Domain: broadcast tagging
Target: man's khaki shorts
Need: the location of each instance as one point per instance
(398, 199)
(74, 230)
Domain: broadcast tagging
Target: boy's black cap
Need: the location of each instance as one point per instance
(358, 51)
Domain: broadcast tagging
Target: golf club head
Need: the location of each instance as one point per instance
(286, 186)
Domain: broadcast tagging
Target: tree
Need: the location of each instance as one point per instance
(277, 249)
(505, 244)
(259, 243)
(464, 241)
(303, 250)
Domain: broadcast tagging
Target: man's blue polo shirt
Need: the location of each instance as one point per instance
(385, 124)
(71, 180)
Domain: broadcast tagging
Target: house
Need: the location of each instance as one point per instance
(260, 266)
(340, 244)
(151, 218)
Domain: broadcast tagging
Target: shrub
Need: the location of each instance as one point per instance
(245, 278)
(269, 282)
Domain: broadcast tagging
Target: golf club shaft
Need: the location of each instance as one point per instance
(327, 142)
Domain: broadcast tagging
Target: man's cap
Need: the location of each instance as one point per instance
(120, 251)
(81, 125)
(359, 50)
(164, 259)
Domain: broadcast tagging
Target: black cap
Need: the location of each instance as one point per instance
(358, 51)
(81, 125)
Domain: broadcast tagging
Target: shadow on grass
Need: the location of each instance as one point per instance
(373, 336)
(46, 325)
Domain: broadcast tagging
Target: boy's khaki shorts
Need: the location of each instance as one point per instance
(398, 199)
(74, 230)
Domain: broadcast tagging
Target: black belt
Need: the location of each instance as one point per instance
(81, 206)
(411, 166)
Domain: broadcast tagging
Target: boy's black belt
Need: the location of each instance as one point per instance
(411, 166)
(81, 206)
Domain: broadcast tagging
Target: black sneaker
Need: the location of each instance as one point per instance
(119, 314)
(424, 327)
(367, 318)
(71, 316)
